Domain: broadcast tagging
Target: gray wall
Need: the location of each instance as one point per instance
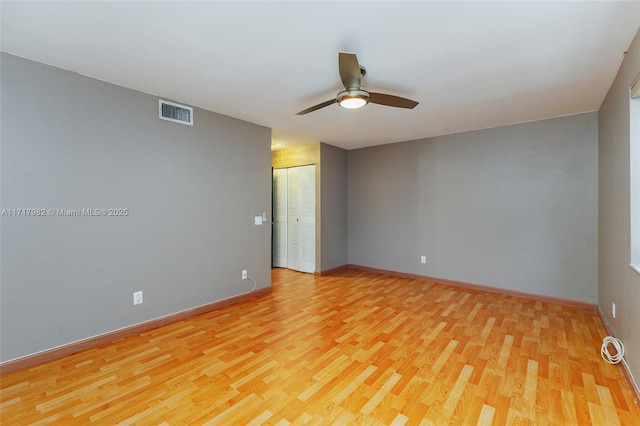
(513, 207)
(333, 188)
(73, 142)
(617, 282)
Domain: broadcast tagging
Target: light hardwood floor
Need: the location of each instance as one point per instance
(352, 348)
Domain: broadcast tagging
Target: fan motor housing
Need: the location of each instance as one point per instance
(352, 98)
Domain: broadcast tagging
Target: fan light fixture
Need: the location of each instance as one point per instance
(353, 99)
(354, 94)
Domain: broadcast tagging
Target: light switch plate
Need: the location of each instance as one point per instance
(258, 220)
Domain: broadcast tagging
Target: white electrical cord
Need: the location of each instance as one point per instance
(246, 292)
(254, 285)
(617, 357)
(618, 346)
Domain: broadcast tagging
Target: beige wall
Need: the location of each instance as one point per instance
(297, 156)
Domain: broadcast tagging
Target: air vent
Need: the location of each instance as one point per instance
(175, 112)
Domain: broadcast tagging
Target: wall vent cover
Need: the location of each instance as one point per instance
(175, 112)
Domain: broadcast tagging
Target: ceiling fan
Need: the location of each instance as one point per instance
(354, 94)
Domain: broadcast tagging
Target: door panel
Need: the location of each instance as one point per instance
(293, 219)
(280, 218)
(307, 227)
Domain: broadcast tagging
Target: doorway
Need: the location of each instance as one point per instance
(294, 228)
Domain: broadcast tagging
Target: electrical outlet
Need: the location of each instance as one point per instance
(137, 298)
(613, 309)
(423, 259)
(244, 274)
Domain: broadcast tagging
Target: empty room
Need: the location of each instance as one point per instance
(346, 213)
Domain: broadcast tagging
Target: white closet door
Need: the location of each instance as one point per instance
(294, 233)
(280, 218)
(307, 215)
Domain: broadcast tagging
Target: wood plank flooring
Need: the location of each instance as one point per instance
(348, 349)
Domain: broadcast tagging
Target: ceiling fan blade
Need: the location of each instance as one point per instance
(316, 107)
(349, 70)
(390, 100)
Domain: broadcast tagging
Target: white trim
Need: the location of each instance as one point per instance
(634, 180)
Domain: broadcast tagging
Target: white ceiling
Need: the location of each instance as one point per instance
(471, 65)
